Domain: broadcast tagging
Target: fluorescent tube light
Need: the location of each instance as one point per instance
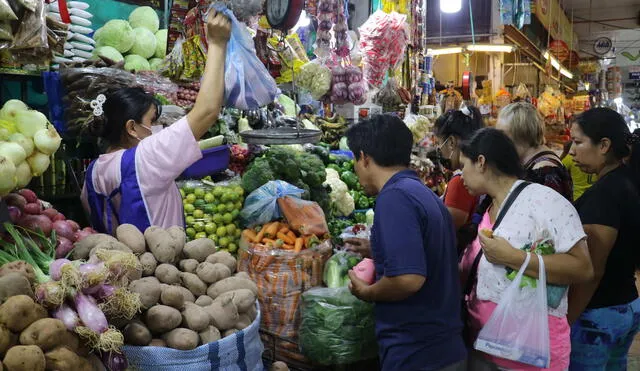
(443, 51)
(450, 6)
(498, 48)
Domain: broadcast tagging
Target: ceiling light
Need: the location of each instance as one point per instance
(498, 48)
(443, 51)
(554, 62)
(566, 73)
(450, 6)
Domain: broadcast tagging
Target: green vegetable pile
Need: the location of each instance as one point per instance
(337, 268)
(301, 169)
(337, 328)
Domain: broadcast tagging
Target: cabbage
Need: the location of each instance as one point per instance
(116, 33)
(144, 44)
(146, 17)
(109, 53)
(161, 43)
(134, 62)
(155, 63)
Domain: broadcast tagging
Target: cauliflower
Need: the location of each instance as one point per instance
(340, 196)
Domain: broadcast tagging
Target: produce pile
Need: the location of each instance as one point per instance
(211, 211)
(27, 140)
(138, 42)
(27, 211)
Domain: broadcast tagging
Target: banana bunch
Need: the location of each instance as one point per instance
(333, 129)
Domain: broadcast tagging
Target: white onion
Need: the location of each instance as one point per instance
(12, 151)
(7, 176)
(23, 141)
(38, 162)
(23, 175)
(4, 133)
(47, 140)
(28, 122)
(11, 108)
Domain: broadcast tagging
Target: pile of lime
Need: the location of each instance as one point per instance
(213, 212)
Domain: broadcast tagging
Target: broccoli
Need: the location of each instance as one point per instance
(312, 169)
(321, 196)
(283, 162)
(307, 192)
(258, 174)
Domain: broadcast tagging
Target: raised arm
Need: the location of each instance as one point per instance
(211, 96)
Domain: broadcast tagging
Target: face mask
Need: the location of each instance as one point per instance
(154, 129)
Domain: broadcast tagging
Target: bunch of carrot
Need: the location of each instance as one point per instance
(279, 235)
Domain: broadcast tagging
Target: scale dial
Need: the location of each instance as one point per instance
(283, 14)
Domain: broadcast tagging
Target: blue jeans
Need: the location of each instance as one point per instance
(601, 338)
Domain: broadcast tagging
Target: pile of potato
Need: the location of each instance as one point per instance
(31, 341)
(188, 291)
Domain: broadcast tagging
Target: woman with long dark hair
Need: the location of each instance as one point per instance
(605, 311)
(491, 166)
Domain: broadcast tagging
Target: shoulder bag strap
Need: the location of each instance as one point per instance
(551, 156)
(473, 273)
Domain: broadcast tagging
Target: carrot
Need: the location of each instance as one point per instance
(284, 230)
(287, 246)
(298, 245)
(286, 238)
(292, 235)
(260, 235)
(249, 235)
(271, 230)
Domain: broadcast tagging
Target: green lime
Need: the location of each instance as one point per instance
(231, 206)
(198, 226)
(227, 218)
(201, 235)
(199, 203)
(213, 238)
(222, 208)
(238, 233)
(191, 232)
(187, 189)
(238, 190)
(198, 214)
(223, 242)
(232, 247)
(182, 193)
(208, 197)
(207, 218)
(221, 231)
(190, 220)
(209, 209)
(210, 228)
(199, 192)
(191, 198)
(217, 218)
(226, 196)
(217, 192)
(235, 213)
(231, 229)
(238, 205)
(189, 208)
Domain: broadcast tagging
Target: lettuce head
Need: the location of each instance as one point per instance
(136, 63)
(146, 17)
(144, 44)
(155, 63)
(109, 53)
(161, 43)
(116, 33)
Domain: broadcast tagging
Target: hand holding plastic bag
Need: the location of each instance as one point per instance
(248, 84)
(518, 329)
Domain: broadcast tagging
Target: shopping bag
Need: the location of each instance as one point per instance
(518, 329)
(261, 205)
(247, 82)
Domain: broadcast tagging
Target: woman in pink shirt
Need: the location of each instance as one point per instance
(134, 181)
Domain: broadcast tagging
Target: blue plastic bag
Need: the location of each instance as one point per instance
(247, 82)
(261, 206)
(53, 89)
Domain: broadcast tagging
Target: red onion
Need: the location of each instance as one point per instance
(33, 208)
(50, 294)
(93, 274)
(91, 316)
(59, 216)
(73, 225)
(55, 268)
(68, 316)
(89, 229)
(80, 235)
(114, 361)
(29, 195)
(64, 247)
(64, 229)
(14, 214)
(36, 223)
(104, 291)
(50, 213)
(14, 199)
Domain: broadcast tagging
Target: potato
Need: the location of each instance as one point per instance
(168, 273)
(14, 283)
(158, 343)
(225, 258)
(131, 236)
(209, 335)
(83, 247)
(188, 265)
(204, 300)
(244, 275)
(182, 339)
(110, 245)
(96, 363)
(172, 296)
(179, 239)
(230, 284)
(199, 249)
(252, 313)
(160, 244)
(149, 290)
(211, 273)
(24, 358)
(242, 298)
(193, 283)
(279, 366)
(70, 340)
(188, 295)
(223, 313)
(136, 333)
(134, 274)
(194, 317)
(243, 322)
(148, 263)
(162, 318)
(230, 332)
(45, 333)
(6, 340)
(20, 311)
(21, 267)
(63, 359)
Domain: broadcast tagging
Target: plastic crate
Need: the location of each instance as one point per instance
(213, 160)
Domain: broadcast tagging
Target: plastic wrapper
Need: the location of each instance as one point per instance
(356, 231)
(170, 114)
(336, 270)
(315, 78)
(32, 32)
(194, 58)
(154, 83)
(388, 96)
(31, 5)
(337, 328)
(245, 9)
(57, 33)
(261, 205)
(282, 276)
(173, 63)
(522, 93)
(383, 40)
(6, 13)
(305, 217)
(419, 125)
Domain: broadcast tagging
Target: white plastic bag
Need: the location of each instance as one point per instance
(518, 329)
(261, 206)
